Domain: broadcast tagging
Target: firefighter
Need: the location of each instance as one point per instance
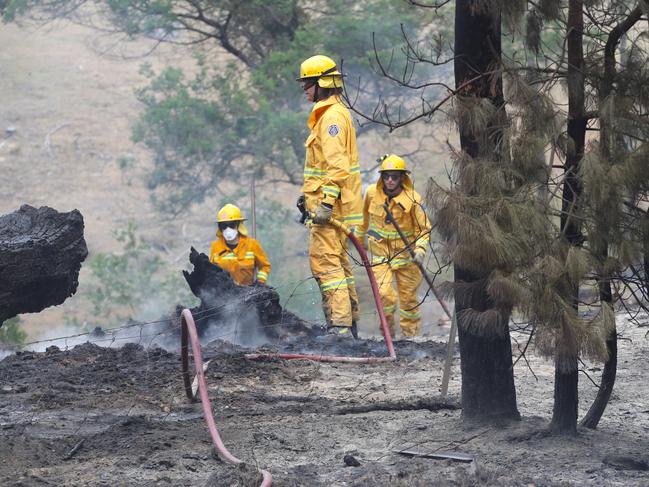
(390, 258)
(331, 189)
(235, 252)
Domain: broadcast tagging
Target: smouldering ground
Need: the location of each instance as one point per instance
(125, 410)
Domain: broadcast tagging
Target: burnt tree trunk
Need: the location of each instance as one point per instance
(239, 313)
(645, 255)
(488, 390)
(566, 397)
(596, 410)
(41, 251)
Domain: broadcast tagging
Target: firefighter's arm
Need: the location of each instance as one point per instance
(361, 230)
(262, 262)
(213, 252)
(422, 226)
(333, 136)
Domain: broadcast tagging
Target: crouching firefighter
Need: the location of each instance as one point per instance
(391, 259)
(331, 189)
(235, 252)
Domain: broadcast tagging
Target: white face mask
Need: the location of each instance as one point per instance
(229, 234)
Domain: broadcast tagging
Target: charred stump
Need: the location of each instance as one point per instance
(242, 314)
(41, 251)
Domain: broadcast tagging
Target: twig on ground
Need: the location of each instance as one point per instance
(75, 449)
(50, 133)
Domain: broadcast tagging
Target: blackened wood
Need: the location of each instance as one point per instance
(596, 410)
(223, 301)
(566, 397)
(41, 251)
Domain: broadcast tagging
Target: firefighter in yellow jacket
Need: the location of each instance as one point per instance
(235, 252)
(390, 258)
(331, 189)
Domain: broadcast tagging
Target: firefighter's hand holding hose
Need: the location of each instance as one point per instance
(323, 214)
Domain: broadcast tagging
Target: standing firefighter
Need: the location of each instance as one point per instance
(390, 257)
(235, 252)
(331, 189)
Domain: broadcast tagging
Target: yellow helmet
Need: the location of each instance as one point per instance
(390, 162)
(323, 69)
(229, 213)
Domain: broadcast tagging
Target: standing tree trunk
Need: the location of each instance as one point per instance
(41, 251)
(488, 391)
(596, 410)
(566, 397)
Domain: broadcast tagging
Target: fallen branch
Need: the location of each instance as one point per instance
(402, 405)
(74, 450)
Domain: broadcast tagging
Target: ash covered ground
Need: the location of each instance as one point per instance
(104, 416)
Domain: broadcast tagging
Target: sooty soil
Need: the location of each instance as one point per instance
(118, 416)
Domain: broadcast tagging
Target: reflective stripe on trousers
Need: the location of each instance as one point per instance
(333, 272)
(408, 278)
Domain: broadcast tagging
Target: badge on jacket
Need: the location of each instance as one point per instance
(333, 130)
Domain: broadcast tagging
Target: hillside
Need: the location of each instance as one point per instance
(71, 103)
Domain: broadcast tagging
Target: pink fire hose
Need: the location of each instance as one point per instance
(379, 307)
(189, 333)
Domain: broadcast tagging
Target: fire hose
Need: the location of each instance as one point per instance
(189, 334)
(379, 307)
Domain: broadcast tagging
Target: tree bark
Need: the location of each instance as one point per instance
(41, 251)
(488, 390)
(566, 396)
(596, 410)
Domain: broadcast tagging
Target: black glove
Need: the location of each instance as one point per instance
(300, 203)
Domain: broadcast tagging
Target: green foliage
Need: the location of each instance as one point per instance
(11, 333)
(226, 122)
(10, 9)
(134, 283)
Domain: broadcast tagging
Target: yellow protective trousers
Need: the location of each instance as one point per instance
(333, 272)
(408, 278)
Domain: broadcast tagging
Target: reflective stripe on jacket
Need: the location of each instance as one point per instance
(242, 260)
(406, 208)
(331, 170)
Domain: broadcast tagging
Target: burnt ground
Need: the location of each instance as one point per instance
(118, 416)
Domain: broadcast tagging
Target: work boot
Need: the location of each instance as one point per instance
(343, 331)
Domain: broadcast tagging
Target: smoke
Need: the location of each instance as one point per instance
(243, 329)
(145, 334)
(235, 322)
(5, 352)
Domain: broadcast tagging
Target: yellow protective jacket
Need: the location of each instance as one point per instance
(385, 244)
(331, 170)
(241, 261)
